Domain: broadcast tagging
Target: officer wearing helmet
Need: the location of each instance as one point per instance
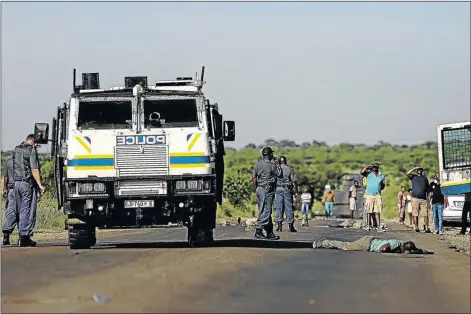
(285, 188)
(265, 174)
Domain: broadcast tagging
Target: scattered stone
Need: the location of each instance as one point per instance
(100, 299)
(251, 221)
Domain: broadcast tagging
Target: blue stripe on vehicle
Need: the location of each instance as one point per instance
(456, 189)
(189, 160)
(91, 162)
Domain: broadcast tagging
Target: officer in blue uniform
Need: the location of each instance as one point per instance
(10, 205)
(26, 173)
(264, 175)
(285, 188)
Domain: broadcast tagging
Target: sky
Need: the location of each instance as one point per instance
(332, 72)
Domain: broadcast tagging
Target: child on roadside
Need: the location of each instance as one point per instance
(409, 206)
(306, 199)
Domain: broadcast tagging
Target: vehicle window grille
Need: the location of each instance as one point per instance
(457, 148)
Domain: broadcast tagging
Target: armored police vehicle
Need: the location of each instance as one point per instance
(454, 157)
(138, 156)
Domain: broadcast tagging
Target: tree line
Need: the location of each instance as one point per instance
(315, 163)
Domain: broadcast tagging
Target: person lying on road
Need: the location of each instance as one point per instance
(371, 244)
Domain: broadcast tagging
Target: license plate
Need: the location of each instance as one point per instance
(138, 204)
(459, 204)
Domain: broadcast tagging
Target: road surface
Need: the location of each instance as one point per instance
(154, 271)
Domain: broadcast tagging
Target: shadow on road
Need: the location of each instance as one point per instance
(233, 243)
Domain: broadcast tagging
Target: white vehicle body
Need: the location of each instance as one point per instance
(454, 157)
(452, 212)
(137, 155)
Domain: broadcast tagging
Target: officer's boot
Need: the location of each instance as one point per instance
(291, 228)
(280, 227)
(26, 241)
(6, 238)
(259, 234)
(270, 234)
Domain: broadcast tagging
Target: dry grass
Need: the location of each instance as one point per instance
(48, 217)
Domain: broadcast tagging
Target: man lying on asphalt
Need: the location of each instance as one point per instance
(371, 244)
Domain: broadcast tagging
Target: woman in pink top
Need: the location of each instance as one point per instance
(401, 204)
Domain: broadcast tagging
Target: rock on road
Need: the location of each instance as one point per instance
(154, 271)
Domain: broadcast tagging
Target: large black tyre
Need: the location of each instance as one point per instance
(200, 237)
(81, 237)
(200, 231)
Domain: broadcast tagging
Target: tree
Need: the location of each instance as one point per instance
(237, 187)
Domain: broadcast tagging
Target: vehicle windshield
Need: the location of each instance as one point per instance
(105, 115)
(457, 148)
(170, 113)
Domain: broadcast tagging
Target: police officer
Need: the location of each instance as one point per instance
(10, 205)
(264, 175)
(26, 174)
(285, 188)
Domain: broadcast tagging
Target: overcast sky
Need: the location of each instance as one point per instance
(333, 72)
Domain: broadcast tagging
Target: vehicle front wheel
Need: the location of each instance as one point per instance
(81, 237)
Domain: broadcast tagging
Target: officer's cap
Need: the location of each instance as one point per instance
(267, 151)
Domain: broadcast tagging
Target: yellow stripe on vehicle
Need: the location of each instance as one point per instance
(184, 154)
(93, 156)
(84, 145)
(193, 141)
(189, 165)
(91, 168)
(451, 183)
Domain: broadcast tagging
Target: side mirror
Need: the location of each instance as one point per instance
(41, 133)
(229, 131)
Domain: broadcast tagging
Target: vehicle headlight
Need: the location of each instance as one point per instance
(180, 185)
(98, 187)
(86, 187)
(192, 185)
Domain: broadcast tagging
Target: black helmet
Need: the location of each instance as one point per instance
(283, 160)
(267, 151)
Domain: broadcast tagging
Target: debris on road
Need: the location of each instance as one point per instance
(250, 224)
(100, 299)
(456, 241)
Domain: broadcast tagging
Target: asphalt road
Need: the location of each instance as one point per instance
(154, 271)
(342, 208)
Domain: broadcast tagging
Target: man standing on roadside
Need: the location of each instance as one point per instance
(420, 189)
(375, 183)
(352, 198)
(438, 202)
(465, 213)
(265, 174)
(11, 215)
(27, 176)
(329, 202)
(401, 204)
(285, 189)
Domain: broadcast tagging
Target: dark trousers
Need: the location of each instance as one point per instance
(12, 215)
(25, 197)
(464, 216)
(284, 203)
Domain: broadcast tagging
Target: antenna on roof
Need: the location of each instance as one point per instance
(201, 79)
(73, 80)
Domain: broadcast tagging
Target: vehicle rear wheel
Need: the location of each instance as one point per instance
(198, 234)
(81, 237)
